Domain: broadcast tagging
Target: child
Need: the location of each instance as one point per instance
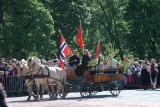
(2, 96)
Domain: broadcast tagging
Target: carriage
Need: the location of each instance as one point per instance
(91, 81)
(95, 80)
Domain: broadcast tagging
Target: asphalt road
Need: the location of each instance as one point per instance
(127, 98)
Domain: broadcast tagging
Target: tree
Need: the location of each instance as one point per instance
(143, 16)
(28, 30)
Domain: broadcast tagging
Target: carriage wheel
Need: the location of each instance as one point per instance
(93, 91)
(85, 93)
(115, 91)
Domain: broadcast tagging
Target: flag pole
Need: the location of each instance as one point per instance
(59, 31)
(80, 24)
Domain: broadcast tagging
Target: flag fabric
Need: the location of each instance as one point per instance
(79, 39)
(64, 51)
(98, 49)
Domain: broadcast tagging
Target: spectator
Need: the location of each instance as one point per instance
(136, 70)
(145, 76)
(158, 75)
(130, 78)
(153, 72)
(9, 70)
(2, 96)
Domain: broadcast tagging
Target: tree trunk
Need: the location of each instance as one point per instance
(1, 13)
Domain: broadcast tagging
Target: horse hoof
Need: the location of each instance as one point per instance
(28, 99)
(36, 98)
(41, 97)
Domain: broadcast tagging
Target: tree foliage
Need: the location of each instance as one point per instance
(31, 26)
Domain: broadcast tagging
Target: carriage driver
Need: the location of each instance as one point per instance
(81, 70)
(74, 60)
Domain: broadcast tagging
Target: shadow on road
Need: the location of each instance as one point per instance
(67, 98)
(91, 97)
(148, 90)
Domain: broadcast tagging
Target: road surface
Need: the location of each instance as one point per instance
(127, 98)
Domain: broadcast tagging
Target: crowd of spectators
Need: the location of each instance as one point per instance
(141, 73)
(7, 67)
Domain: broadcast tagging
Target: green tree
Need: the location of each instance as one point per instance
(28, 30)
(143, 16)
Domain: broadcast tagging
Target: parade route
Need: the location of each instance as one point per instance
(127, 98)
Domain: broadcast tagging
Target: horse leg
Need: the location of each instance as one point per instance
(63, 90)
(51, 91)
(29, 89)
(37, 89)
(58, 88)
(42, 90)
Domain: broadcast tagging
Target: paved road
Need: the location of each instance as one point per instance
(127, 98)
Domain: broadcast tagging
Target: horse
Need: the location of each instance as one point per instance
(23, 70)
(56, 77)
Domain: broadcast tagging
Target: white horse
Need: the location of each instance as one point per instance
(55, 76)
(23, 70)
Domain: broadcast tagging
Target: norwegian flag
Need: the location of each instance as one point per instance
(64, 51)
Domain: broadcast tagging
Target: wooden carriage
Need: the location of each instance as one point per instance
(96, 80)
(105, 75)
(99, 75)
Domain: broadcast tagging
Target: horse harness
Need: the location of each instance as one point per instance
(42, 75)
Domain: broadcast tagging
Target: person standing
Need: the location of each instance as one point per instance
(153, 73)
(2, 69)
(136, 70)
(145, 76)
(2, 96)
(158, 76)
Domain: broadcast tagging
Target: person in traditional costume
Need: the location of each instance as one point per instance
(153, 73)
